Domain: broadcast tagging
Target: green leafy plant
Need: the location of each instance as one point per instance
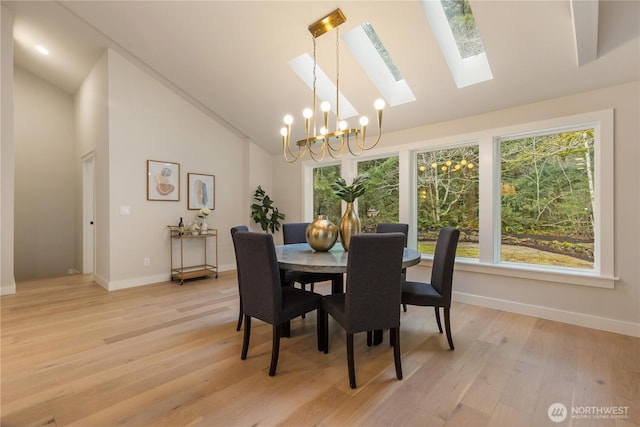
(263, 211)
(349, 193)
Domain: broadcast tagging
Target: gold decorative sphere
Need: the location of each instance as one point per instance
(322, 234)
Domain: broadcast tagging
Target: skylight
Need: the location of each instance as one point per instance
(367, 48)
(454, 27)
(325, 89)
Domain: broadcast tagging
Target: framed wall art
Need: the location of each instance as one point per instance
(163, 180)
(202, 191)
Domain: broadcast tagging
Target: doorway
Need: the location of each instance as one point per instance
(88, 209)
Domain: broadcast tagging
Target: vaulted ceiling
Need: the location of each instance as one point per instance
(230, 58)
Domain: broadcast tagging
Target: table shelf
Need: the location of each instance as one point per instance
(184, 272)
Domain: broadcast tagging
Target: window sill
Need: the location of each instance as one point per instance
(531, 272)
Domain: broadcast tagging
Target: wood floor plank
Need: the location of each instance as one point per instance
(73, 354)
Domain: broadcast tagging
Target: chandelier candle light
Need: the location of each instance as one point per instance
(331, 142)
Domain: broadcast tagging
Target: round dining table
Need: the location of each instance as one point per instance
(301, 257)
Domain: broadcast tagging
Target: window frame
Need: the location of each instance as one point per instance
(602, 121)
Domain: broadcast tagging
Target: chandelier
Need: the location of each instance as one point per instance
(319, 142)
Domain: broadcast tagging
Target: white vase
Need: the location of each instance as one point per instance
(204, 227)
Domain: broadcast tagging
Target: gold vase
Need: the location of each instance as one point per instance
(349, 225)
(321, 234)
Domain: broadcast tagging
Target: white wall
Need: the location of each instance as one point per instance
(7, 147)
(91, 119)
(147, 121)
(616, 309)
(44, 239)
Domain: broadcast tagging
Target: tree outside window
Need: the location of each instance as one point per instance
(381, 202)
(547, 199)
(324, 201)
(447, 186)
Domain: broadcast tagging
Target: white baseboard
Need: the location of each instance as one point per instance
(572, 318)
(8, 289)
(138, 281)
(146, 280)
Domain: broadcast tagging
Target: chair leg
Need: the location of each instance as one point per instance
(369, 338)
(286, 329)
(437, 309)
(447, 326)
(275, 349)
(395, 333)
(350, 361)
(311, 286)
(247, 335)
(240, 316)
(404, 307)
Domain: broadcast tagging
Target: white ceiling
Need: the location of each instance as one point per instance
(230, 57)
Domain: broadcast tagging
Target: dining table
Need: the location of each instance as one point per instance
(301, 257)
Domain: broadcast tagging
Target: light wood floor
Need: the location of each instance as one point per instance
(169, 355)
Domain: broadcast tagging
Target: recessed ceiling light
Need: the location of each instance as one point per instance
(43, 50)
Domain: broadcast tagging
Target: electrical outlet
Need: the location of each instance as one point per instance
(146, 262)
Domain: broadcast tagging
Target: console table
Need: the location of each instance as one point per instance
(191, 271)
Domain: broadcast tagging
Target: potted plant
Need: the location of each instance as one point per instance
(263, 211)
(350, 222)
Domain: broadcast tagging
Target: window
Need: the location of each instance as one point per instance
(544, 189)
(324, 201)
(447, 195)
(381, 202)
(547, 199)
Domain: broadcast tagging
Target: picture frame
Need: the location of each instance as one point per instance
(163, 180)
(202, 191)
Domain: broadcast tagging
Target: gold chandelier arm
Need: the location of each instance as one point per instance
(286, 147)
(339, 149)
(321, 153)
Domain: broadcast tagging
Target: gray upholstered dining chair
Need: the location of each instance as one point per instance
(263, 296)
(437, 293)
(372, 298)
(296, 232)
(233, 231)
(396, 227)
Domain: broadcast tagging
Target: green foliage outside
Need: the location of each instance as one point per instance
(381, 201)
(547, 185)
(324, 201)
(447, 184)
(547, 193)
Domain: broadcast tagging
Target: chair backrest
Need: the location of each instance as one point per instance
(294, 232)
(443, 260)
(234, 230)
(237, 228)
(394, 227)
(374, 290)
(260, 288)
